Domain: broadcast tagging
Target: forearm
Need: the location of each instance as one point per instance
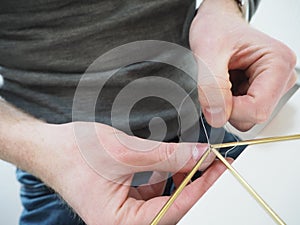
(19, 135)
(213, 13)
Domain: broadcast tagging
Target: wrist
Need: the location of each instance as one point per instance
(213, 25)
(28, 143)
(20, 143)
(58, 159)
(52, 149)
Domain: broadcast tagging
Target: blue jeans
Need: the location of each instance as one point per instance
(42, 206)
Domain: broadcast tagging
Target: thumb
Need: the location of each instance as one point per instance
(179, 157)
(166, 157)
(214, 91)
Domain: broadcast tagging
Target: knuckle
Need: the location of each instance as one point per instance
(166, 152)
(291, 56)
(208, 81)
(288, 56)
(120, 154)
(214, 92)
(293, 79)
(262, 114)
(291, 59)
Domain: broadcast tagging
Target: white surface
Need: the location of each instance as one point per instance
(271, 169)
(281, 20)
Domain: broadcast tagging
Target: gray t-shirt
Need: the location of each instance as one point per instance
(46, 46)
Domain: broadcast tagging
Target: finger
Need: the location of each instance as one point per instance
(194, 191)
(243, 125)
(170, 157)
(175, 158)
(292, 81)
(264, 93)
(154, 188)
(178, 178)
(165, 157)
(214, 88)
(145, 212)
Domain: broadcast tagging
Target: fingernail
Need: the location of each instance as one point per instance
(214, 110)
(196, 154)
(217, 115)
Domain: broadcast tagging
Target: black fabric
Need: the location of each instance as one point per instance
(46, 46)
(68, 35)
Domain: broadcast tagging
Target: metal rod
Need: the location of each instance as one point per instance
(186, 180)
(256, 141)
(271, 212)
(213, 148)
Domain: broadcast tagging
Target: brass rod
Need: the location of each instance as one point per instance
(186, 180)
(274, 216)
(256, 141)
(213, 148)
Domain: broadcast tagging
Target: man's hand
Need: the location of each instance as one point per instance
(95, 178)
(243, 73)
(91, 166)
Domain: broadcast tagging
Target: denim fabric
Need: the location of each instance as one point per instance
(42, 206)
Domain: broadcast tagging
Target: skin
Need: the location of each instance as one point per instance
(246, 72)
(51, 152)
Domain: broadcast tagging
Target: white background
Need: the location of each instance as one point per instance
(280, 19)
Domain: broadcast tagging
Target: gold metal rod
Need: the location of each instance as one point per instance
(256, 141)
(275, 217)
(213, 148)
(186, 180)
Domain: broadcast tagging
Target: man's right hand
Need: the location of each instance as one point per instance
(99, 188)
